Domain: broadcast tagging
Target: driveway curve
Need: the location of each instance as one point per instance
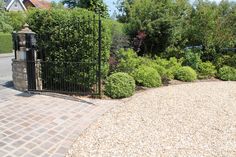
(44, 125)
(196, 119)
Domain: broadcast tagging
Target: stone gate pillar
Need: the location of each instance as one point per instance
(25, 68)
(19, 75)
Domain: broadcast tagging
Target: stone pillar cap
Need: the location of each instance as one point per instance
(26, 30)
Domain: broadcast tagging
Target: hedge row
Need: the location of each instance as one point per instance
(72, 36)
(5, 43)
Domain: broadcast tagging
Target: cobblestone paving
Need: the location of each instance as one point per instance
(43, 126)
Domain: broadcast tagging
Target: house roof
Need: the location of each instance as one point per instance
(10, 2)
(43, 4)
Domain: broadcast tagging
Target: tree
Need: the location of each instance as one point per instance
(56, 5)
(225, 25)
(4, 27)
(210, 25)
(167, 27)
(124, 8)
(154, 25)
(16, 19)
(98, 6)
(10, 21)
(2, 4)
(4, 20)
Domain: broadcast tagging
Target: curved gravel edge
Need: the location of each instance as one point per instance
(197, 119)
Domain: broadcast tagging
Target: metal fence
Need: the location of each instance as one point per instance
(72, 72)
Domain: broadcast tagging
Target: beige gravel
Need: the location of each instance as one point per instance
(196, 119)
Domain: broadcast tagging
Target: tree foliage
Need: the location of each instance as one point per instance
(98, 6)
(167, 27)
(2, 4)
(16, 19)
(124, 8)
(4, 25)
(10, 21)
(210, 25)
(58, 5)
(154, 24)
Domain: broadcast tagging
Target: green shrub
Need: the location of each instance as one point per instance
(186, 74)
(228, 60)
(227, 73)
(119, 85)
(162, 62)
(147, 76)
(162, 71)
(192, 59)
(148, 61)
(5, 43)
(206, 70)
(128, 61)
(71, 36)
(170, 66)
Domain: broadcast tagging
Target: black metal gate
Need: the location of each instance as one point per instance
(71, 73)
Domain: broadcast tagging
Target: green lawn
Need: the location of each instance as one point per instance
(5, 43)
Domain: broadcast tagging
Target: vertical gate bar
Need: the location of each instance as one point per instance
(14, 35)
(94, 50)
(99, 56)
(30, 60)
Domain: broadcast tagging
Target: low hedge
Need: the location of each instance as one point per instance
(147, 76)
(170, 66)
(186, 74)
(119, 85)
(6, 43)
(206, 70)
(227, 73)
(128, 61)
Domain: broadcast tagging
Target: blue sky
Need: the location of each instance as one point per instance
(111, 5)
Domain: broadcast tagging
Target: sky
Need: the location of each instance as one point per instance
(111, 6)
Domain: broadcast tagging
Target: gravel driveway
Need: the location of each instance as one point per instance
(196, 119)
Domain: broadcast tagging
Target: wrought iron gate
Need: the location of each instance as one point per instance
(71, 73)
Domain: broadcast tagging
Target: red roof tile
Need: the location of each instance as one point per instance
(43, 4)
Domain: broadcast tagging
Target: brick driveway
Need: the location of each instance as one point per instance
(43, 126)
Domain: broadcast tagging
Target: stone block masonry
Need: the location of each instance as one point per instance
(19, 70)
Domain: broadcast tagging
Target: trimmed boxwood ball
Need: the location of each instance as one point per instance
(186, 74)
(227, 73)
(147, 76)
(119, 85)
